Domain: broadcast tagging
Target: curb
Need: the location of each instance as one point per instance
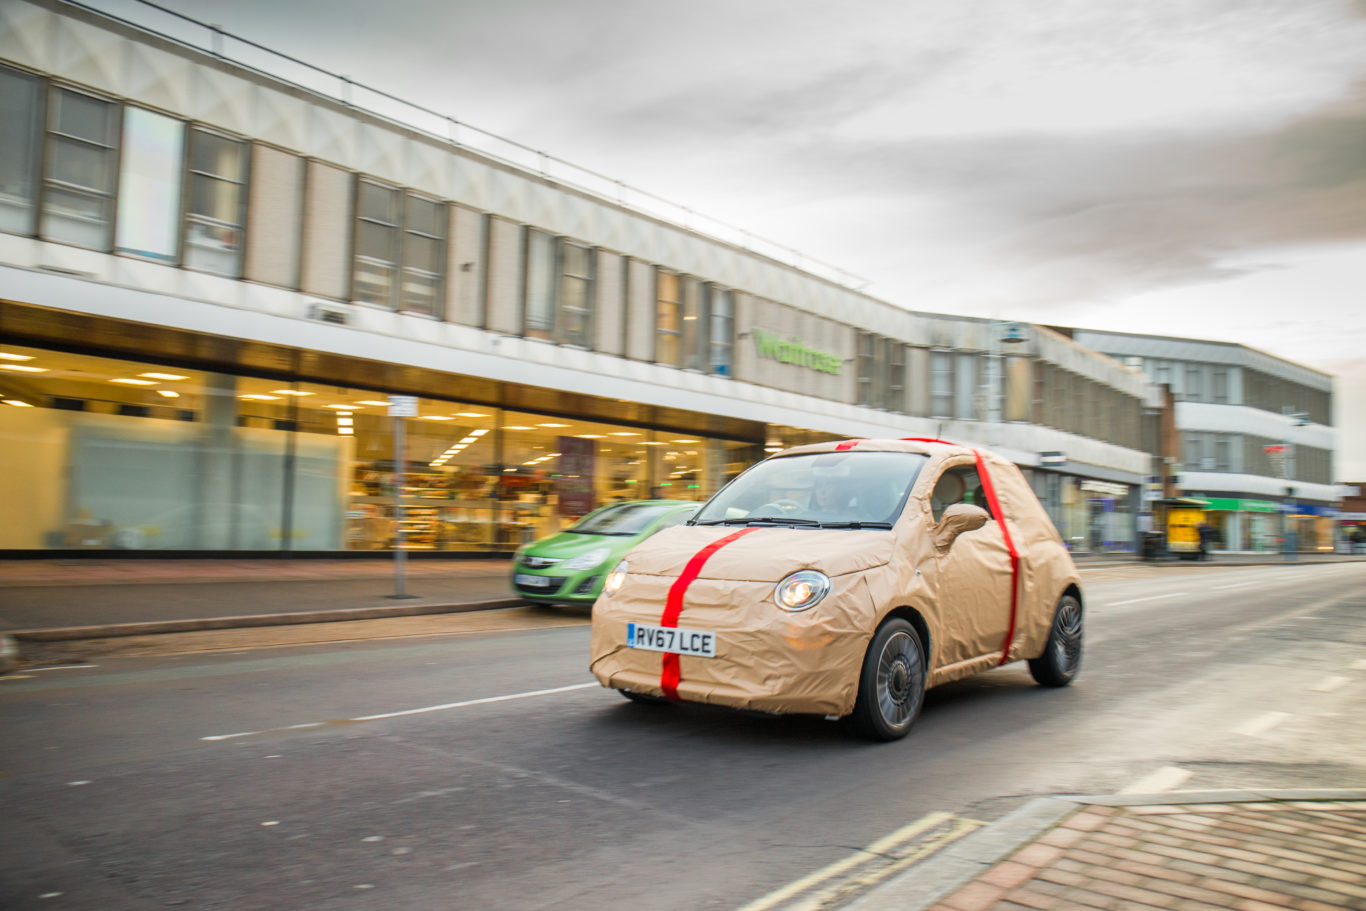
(112, 630)
(920, 887)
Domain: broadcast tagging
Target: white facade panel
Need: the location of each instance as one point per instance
(1202, 416)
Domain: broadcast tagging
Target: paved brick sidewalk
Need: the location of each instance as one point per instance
(1308, 855)
(1191, 851)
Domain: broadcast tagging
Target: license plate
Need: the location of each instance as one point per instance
(692, 642)
(531, 581)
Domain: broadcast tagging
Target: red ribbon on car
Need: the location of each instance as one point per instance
(672, 673)
(990, 490)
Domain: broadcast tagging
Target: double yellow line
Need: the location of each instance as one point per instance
(840, 881)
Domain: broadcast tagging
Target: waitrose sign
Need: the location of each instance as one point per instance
(793, 351)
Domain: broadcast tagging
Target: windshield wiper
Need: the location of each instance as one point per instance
(768, 520)
(856, 525)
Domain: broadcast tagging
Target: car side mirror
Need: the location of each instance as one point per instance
(958, 518)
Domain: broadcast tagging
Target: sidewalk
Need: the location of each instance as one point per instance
(85, 598)
(1192, 851)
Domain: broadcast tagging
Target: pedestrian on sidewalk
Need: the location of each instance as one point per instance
(1206, 532)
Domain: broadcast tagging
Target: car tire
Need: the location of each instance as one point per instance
(644, 698)
(1061, 658)
(891, 687)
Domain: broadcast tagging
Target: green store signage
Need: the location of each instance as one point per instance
(793, 351)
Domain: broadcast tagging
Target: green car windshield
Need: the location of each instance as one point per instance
(822, 489)
(626, 519)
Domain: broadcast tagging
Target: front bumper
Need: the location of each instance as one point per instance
(766, 658)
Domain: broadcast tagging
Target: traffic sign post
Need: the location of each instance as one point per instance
(400, 407)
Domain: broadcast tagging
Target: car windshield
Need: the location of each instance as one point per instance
(824, 489)
(623, 519)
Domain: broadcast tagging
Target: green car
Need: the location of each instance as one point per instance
(568, 568)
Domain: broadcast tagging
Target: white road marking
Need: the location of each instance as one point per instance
(1260, 724)
(881, 846)
(65, 667)
(1329, 684)
(429, 708)
(1236, 585)
(1164, 779)
(76, 784)
(1148, 598)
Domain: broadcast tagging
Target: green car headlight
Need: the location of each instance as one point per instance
(587, 560)
(801, 590)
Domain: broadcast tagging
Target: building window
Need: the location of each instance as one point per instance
(400, 249)
(213, 237)
(941, 384)
(377, 238)
(721, 322)
(1195, 384)
(149, 185)
(694, 327)
(1223, 453)
(424, 243)
(896, 376)
(1221, 386)
(539, 306)
(78, 190)
(668, 319)
(576, 295)
(559, 290)
(868, 370)
(21, 98)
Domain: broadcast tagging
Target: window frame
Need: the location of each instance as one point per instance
(242, 183)
(50, 143)
(37, 146)
(395, 234)
(676, 304)
(720, 345)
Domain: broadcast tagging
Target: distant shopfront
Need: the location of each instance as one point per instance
(1260, 526)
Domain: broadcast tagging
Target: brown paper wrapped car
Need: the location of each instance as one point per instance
(844, 579)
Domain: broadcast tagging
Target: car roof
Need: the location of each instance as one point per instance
(920, 445)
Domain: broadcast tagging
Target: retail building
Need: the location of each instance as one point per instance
(1255, 434)
(214, 283)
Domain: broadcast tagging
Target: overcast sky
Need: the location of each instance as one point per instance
(1185, 167)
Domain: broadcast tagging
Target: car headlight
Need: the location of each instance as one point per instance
(615, 579)
(801, 590)
(588, 560)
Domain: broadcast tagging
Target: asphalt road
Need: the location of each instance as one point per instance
(487, 770)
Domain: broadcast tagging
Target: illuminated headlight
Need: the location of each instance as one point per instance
(589, 560)
(615, 579)
(801, 590)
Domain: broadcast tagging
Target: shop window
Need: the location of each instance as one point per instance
(78, 188)
(941, 384)
(214, 215)
(668, 319)
(21, 98)
(149, 185)
(721, 325)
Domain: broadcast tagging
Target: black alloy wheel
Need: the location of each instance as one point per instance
(1061, 658)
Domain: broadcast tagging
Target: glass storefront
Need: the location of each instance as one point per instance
(1091, 516)
(100, 453)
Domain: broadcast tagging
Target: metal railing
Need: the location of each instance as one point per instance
(212, 39)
